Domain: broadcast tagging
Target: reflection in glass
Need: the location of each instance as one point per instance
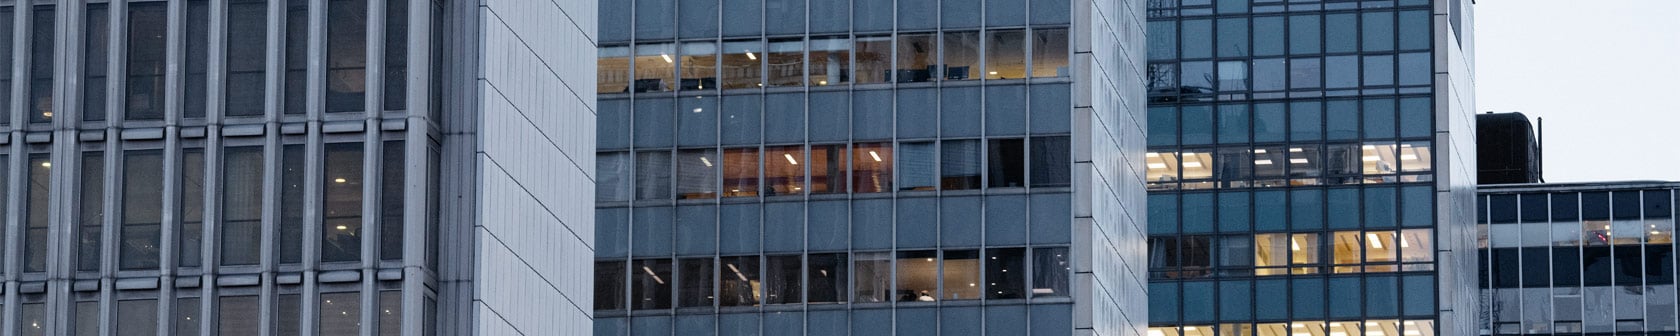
(1051, 161)
(740, 65)
(738, 285)
(40, 91)
(961, 275)
(91, 218)
(142, 204)
(242, 315)
(918, 273)
(1235, 167)
(192, 207)
(784, 170)
(874, 59)
(1050, 53)
(341, 314)
(828, 169)
(872, 167)
(94, 54)
(917, 54)
(1006, 54)
(699, 66)
(612, 172)
(740, 172)
(655, 67)
(653, 175)
(296, 55)
(831, 59)
(697, 285)
(1233, 76)
(786, 63)
(874, 277)
(650, 286)
(782, 279)
(6, 61)
(612, 74)
(1051, 266)
(1342, 162)
(197, 61)
(346, 55)
(146, 56)
(959, 165)
(242, 205)
(697, 174)
(137, 317)
(1379, 158)
(962, 55)
(826, 278)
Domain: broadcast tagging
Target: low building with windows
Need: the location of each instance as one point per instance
(1577, 258)
(295, 167)
(870, 168)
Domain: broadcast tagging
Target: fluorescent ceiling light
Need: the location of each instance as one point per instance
(751, 56)
(790, 159)
(1295, 150)
(1192, 164)
(1298, 161)
(1375, 243)
(1260, 151)
(1372, 158)
(667, 58)
(706, 161)
(877, 157)
(1157, 166)
(1263, 162)
(1408, 157)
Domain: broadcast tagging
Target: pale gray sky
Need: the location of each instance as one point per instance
(1605, 75)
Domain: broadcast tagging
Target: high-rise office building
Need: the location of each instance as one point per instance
(870, 167)
(295, 167)
(1574, 258)
(1312, 167)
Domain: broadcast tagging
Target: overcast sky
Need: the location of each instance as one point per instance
(1605, 75)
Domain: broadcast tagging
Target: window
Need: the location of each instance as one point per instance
(1235, 167)
(242, 315)
(1233, 37)
(1271, 250)
(346, 55)
(32, 319)
(960, 275)
(391, 200)
(1347, 251)
(782, 279)
(1380, 247)
(341, 314)
(1051, 162)
(653, 175)
(94, 54)
(1050, 272)
(831, 60)
(740, 66)
(613, 70)
(699, 66)
(696, 287)
(1050, 53)
(341, 222)
(609, 285)
(826, 278)
(1417, 246)
(187, 317)
(874, 59)
(91, 216)
(142, 205)
(396, 56)
(655, 67)
(786, 63)
(1005, 273)
(7, 19)
(738, 283)
(918, 273)
(86, 318)
(828, 169)
(917, 56)
(290, 313)
(1268, 74)
(191, 240)
(650, 286)
(297, 55)
(197, 58)
(1196, 39)
(1006, 54)
(740, 172)
(872, 167)
(41, 61)
(874, 277)
(242, 205)
(1304, 73)
(247, 47)
(1233, 76)
(1341, 33)
(1004, 162)
(959, 165)
(1236, 253)
(962, 55)
(136, 317)
(289, 239)
(784, 172)
(613, 176)
(696, 175)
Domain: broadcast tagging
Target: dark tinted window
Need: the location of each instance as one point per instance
(1658, 204)
(391, 198)
(92, 214)
(41, 59)
(95, 52)
(247, 50)
(297, 55)
(142, 204)
(198, 57)
(147, 25)
(346, 55)
(341, 211)
(396, 55)
(242, 202)
(1566, 207)
(1534, 208)
(290, 237)
(1503, 209)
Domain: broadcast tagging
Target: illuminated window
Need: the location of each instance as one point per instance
(961, 275)
(874, 59)
(740, 172)
(917, 56)
(1197, 169)
(828, 169)
(655, 67)
(1050, 53)
(340, 313)
(1381, 248)
(917, 276)
(1269, 163)
(1347, 251)
(831, 59)
(1303, 250)
(872, 167)
(1006, 54)
(1161, 170)
(1305, 167)
(962, 55)
(1271, 250)
(699, 66)
(612, 71)
(738, 283)
(786, 63)
(784, 170)
(341, 223)
(1416, 158)
(741, 61)
(874, 277)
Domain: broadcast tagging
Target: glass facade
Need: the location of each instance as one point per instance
(1292, 169)
(830, 167)
(164, 191)
(1568, 259)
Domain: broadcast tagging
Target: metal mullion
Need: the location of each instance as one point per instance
(416, 184)
(373, 163)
